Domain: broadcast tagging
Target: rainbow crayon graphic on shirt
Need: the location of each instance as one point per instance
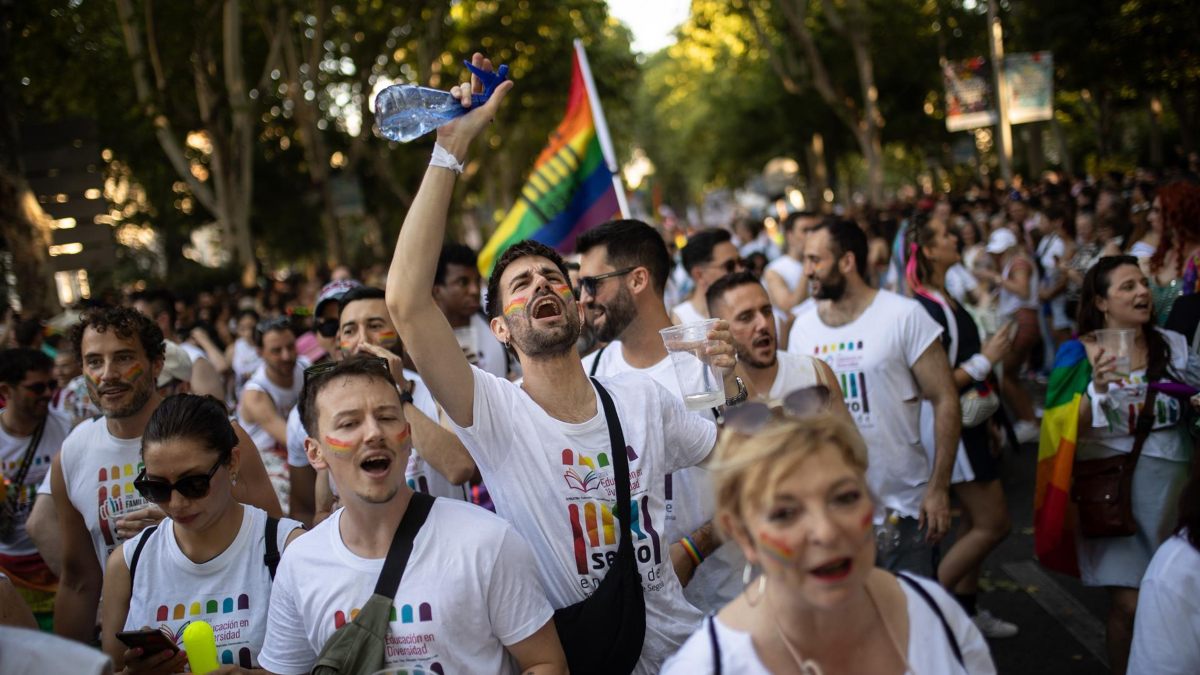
(593, 523)
(231, 632)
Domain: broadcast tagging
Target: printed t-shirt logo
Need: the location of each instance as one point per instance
(845, 358)
(231, 632)
(116, 496)
(407, 646)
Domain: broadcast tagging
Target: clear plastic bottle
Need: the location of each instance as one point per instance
(406, 112)
(887, 535)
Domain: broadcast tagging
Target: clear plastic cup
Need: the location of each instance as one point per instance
(1118, 342)
(700, 382)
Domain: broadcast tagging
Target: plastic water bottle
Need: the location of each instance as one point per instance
(406, 111)
(887, 536)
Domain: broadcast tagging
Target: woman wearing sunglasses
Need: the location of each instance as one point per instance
(209, 559)
(793, 495)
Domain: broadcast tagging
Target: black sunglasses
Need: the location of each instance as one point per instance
(590, 284)
(750, 417)
(327, 327)
(191, 487)
(40, 388)
(730, 266)
(325, 367)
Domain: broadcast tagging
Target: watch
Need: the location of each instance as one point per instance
(740, 396)
(406, 395)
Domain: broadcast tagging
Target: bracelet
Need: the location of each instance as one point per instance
(978, 367)
(442, 158)
(693, 551)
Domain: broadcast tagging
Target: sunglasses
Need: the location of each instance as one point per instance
(327, 327)
(374, 363)
(39, 388)
(730, 266)
(191, 487)
(750, 417)
(589, 285)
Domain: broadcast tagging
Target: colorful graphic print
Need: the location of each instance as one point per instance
(117, 497)
(593, 524)
(232, 647)
(25, 493)
(422, 614)
(844, 358)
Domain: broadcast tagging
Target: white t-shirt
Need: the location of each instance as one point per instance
(789, 269)
(872, 358)
(420, 475)
(1166, 635)
(231, 592)
(929, 652)
(686, 313)
(960, 282)
(481, 347)
(12, 454)
(554, 482)
(1050, 250)
(245, 361)
(470, 589)
(98, 470)
(283, 398)
(796, 371)
(194, 352)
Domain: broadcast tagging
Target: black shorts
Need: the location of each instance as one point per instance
(978, 444)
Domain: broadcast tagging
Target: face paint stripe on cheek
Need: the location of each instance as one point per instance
(777, 549)
(387, 338)
(564, 291)
(338, 445)
(135, 373)
(516, 306)
(404, 435)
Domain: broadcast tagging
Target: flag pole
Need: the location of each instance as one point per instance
(606, 147)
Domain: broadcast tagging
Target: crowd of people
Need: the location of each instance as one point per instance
(408, 468)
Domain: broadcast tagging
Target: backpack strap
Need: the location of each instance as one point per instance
(937, 609)
(271, 557)
(137, 553)
(596, 362)
(714, 644)
(402, 544)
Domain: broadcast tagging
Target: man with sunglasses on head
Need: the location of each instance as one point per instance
(92, 478)
(708, 256)
(30, 437)
(885, 351)
(545, 447)
(269, 396)
(624, 267)
(469, 599)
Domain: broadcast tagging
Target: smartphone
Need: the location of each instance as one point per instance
(151, 640)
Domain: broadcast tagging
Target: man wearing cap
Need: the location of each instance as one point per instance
(1017, 300)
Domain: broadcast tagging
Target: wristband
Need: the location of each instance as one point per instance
(1099, 405)
(978, 367)
(692, 550)
(442, 158)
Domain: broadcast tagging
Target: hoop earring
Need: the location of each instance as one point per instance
(747, 572)
(233, 478)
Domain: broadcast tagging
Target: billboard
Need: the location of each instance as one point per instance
(1029, 79)
(970, 102)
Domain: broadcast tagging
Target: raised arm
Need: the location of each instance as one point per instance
(426, 333)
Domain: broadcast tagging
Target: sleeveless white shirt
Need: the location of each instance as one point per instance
(284, 400)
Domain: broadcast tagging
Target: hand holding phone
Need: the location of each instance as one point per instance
(152, 651)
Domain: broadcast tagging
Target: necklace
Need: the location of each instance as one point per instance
(806, 666)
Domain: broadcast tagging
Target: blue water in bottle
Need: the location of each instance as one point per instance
(406, 111)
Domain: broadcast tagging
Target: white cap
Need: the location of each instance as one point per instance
(177, 365)
(1001, 240)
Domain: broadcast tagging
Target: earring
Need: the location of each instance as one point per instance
(233, 478)
(747, 572)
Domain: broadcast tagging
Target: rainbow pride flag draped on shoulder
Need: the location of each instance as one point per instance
(1054, 515)
(571, 187)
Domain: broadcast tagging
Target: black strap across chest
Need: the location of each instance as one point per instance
(270, 557)
(402, 545)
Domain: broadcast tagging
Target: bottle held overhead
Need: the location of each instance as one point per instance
(407, 112)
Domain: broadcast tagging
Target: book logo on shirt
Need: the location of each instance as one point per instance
(583, 476)
(116, 496)
(228, 631)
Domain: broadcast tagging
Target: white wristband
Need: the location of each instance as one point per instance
(442, 158)
(978, 367)
(1099, 404)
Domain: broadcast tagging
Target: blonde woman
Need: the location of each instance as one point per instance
(794, 497)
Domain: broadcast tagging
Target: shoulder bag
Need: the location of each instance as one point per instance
(1101, 488)
(603, 633)
(359, 647)
(12, 498)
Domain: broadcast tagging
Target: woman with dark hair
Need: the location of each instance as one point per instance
(1175, 265)
(1110, 394)
(1166, 638)
(210, 559)
(932, 251)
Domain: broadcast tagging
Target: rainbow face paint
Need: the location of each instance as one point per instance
(387, 338)
(338, 445)
(403, 436)
(134, 374)
(516, 306)
(564, 292)
(777, 549)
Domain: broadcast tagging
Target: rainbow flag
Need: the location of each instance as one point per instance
(1054, 515)
(570, 189)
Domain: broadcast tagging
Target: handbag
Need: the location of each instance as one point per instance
(603, 633)
(978, 405)
(1102, 488)
(359, 647)
(12, 493)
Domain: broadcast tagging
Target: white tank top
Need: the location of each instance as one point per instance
(98, 469)
(796, 371)
(245, 361)
(231, 592)
(284, 400)
(1010, 302)
(789, 269)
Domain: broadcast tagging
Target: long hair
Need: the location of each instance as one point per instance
(1180, 223)
(918, 270)
(1096, 285)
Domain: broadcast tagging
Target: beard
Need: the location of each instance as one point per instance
(544, 343)
(618, 314)
(746, 355)
(832, 287)
(142, 391)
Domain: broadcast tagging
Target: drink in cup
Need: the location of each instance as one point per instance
(1118, 342)
(699, 381)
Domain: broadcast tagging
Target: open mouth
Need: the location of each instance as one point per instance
(1141, 306)
(546, 308)
(377, 465)
(762, 342)
(113, 391)
(833, 571)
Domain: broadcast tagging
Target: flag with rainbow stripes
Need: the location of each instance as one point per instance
(571, 187)
(1054, 520)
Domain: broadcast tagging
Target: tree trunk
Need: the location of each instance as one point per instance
(26, 231)
(1154, 111)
